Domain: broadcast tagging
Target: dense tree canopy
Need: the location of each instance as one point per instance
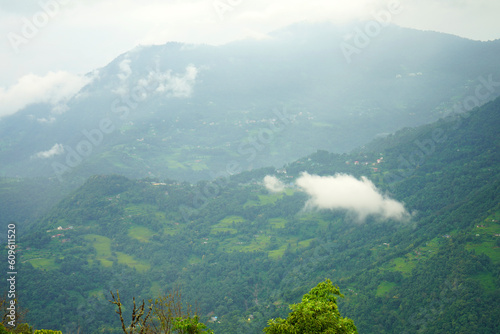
(242, 254)
(317, 313)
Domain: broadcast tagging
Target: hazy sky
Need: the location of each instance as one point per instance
(46, 42)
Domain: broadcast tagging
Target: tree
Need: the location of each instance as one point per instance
(18, 314)
(19, 329)
(165, 316)
(317, 313)
(139, 319)
(191, 325)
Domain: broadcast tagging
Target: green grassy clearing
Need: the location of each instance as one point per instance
(487, 281)
(230, 219)
(277, 222)
(293, 243)
(139, 209)
(305, 243)
(268, 199)
(97, 293)
(278, 253)
(263, 200)
(226, 225)
(406, 264)
(384, 288)
(490, 226)
(487, 247)
(102, 245)
(174, 164)
(131, 262)
(261, 243)
(233, 244)
(140, 233)
(486, 241)
(197, 166)
(43, 263)
(424, 252)
(403, 265)
(173, 160)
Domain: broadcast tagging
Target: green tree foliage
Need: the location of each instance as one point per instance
(317, 313)
(169, 315)
(5, 314)
(19, 329)
(190, 325)
(243, 253)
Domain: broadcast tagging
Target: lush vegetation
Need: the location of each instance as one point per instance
(242, 254)
(317, 313)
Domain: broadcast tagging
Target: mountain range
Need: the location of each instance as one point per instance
(185, 111)
(243, 247)
(246, 173)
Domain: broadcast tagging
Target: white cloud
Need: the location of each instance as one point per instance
(273, 184)
(69, 40)
(54, 88)
(45, 120)
(345, 192)
(178, 85)
(57, 149)
(173, 85)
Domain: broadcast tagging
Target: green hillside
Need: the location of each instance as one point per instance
(258, 102)
(242, 254)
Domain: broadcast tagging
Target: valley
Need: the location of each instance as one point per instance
(249, 251)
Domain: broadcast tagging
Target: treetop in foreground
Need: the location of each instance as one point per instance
(317, 313)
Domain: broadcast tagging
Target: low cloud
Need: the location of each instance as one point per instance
(46, 120)
(179, 85)
(55, 88)
(345, 192)
(175, 85)
(57, 149)
(273, 184)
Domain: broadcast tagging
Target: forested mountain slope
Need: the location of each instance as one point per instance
(181, 111)
(243, 253)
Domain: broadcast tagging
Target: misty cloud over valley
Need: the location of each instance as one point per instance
(343, 192)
